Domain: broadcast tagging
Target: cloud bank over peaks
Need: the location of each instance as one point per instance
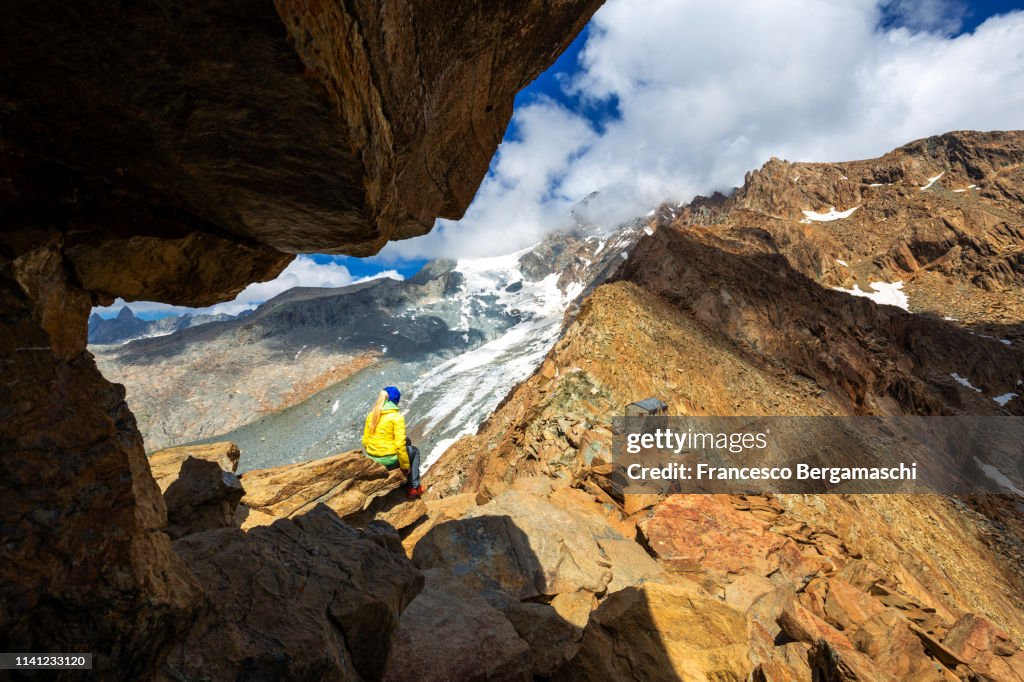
(705, 92)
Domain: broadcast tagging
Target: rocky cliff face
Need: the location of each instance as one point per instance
(178, 154)
(729, 309)
(942, 215)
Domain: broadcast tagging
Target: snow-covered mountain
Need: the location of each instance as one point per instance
(293, 380)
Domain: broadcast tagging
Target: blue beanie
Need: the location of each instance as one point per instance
(394, 395)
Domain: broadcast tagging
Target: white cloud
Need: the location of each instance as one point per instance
(708, 91)
(304, 271)
(520, 198)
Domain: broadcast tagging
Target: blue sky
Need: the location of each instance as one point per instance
(659, 100)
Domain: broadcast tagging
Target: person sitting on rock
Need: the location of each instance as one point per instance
(384, 440)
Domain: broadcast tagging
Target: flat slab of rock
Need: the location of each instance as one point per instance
(346, 483)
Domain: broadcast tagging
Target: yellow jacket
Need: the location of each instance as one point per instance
(387, 444)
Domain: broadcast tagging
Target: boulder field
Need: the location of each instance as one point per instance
(552, 578)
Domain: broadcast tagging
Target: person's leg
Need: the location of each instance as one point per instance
(414, 466)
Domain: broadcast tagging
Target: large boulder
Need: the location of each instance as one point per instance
(274, 127)
(662, 631)
(203, 497)
(526, 546)
(449, 632)
(303, 599)
(985, 647)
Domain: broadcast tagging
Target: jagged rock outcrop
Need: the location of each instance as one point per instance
(85, 563)
(943, 215)
(166, 464)
(304, 598)
(204, 497)
(205, 144)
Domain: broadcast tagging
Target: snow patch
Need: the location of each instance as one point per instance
(843, 263)
(1005, 398)
(334, 407)
(998, 476)
(964, 382)
(832, 214)
(442, 447)
(885, 293)
(932, 181)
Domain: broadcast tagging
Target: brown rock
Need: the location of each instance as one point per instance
(746, 589)
(831, 664)
(304, 598)
(165, 464)
(451, 633)
(801, 625)
(888, 641)
(706, 532)
(84, 563)
(526, 546)
(202, 497)
(393, 509)
(985, 647)
(840, 604)
(574, 607)
(392, 151)
(660, 632)
(438, 511)
(346, 483)
(778, 663)
(552, 639)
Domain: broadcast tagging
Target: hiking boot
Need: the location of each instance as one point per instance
(413, 493)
